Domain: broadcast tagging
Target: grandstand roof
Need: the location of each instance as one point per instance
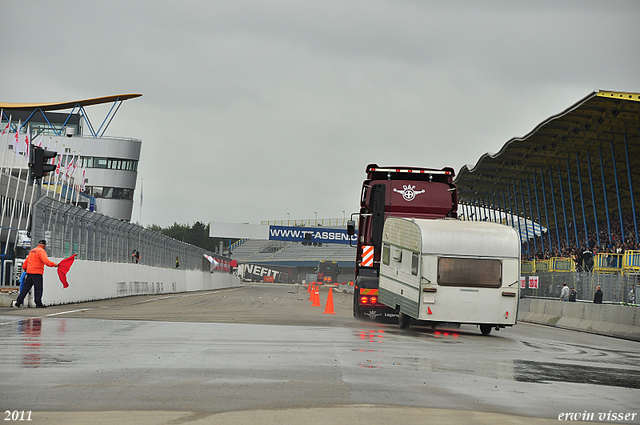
(58, 106)
(30, 110)
(572, 144)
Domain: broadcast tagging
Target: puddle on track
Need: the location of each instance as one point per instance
(539, 372)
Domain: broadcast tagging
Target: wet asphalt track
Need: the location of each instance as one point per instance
(261, 353)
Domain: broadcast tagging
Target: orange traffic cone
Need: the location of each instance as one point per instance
(309, 288)
(329, 308)
(316, 298)
(311, 292)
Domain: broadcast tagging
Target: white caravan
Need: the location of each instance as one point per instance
(450, 271)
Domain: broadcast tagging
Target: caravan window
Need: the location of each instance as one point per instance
(386, 254)
(414, 263)
(475, 272)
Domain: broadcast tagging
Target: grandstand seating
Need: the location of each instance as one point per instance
(256, 250)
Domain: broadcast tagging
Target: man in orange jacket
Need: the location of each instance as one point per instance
(34, 265)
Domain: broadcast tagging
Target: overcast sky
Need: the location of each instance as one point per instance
(264, 110)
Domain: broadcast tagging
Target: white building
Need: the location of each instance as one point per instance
(110, 163)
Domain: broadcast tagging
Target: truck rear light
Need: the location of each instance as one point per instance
(373, 300)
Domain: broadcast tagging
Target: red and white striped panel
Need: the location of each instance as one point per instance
(367, 256)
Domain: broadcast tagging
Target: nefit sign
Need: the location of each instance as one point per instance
(256, 272)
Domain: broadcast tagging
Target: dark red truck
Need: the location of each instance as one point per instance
(399, 192)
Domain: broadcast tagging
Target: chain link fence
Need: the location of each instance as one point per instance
(72, 230)
(617, 288)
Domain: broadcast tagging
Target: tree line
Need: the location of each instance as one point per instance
(196, 234)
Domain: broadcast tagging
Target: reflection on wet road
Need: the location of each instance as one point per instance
(33, 354)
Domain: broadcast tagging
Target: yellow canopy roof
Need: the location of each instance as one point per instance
(58, 106)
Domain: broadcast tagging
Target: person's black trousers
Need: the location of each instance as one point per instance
(31, 280)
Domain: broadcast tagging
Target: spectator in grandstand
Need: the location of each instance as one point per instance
(597, 298)
(584, 259)
(564, 294)
(573, 295)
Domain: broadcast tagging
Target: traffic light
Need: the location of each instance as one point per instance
(39, 162)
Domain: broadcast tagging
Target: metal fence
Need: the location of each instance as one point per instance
(627, 262)
(617, 288)
(72, 230)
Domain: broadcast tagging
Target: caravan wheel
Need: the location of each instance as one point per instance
(485, 329)
(403, 320)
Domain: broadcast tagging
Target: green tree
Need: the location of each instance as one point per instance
(196, 234)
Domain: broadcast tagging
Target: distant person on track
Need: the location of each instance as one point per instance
(34, 265)
(564, 294)
(597, 298)
(573, 295)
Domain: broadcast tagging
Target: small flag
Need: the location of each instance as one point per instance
(26, 141)
(83, 187)
(6, 127)
(63, 268)
(211, 260)
(16, 141)
(67, 170)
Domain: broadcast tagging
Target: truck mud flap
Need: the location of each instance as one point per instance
(379, 315)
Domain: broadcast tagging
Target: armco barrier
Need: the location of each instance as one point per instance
(95, 280)
(615, 320)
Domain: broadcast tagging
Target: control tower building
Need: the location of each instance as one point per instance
(110, 164)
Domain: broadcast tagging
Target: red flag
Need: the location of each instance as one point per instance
(63, 268)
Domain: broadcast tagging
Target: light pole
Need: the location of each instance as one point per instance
(316, 213)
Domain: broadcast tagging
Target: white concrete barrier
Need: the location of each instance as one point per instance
(572, 314)
(94, 280)
(615, 320)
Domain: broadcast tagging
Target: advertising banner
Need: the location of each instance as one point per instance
(258, 273)
(317, 234)
(533, 282)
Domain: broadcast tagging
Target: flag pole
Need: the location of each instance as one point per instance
(9, 174)
(15, 195)
(141, 193)
(5, 129)
(24, 193)
(75, 178)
